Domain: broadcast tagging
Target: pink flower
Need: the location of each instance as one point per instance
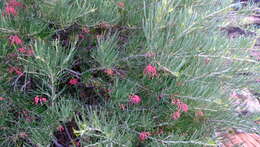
(135, 99)
(10, 10)
(176, 101)
(43, 99)
(14, 39)
(181, 106)
(199, 114)
(257, 80)
(109, 71)
(1, 98)
(23, 135)
(14, 3)
(21, 50)
(15, 69)
(73, 81)
(144, 135)
(36, 100)
(176, 115)
(85, 30)
(150, 70)
(81, 36)
(29, 52)
(60, 128)
(121, 4)
(184, 107)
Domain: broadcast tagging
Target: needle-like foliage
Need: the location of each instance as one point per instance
(122, 73)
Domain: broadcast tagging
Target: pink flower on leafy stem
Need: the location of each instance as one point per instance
(14, 3)
(184, 107)
(199, 113)
(144, 135)
(15, 40)
(181, 106)
(81, 36)
(73, 81)
(21, 50)
(38, 100)
(43, 99)
(109, 71)
(176, 115)
(1, 98)
(60, 128)
(176, 101)
(150, 70)
(10, 11)
(15, 69)
(121, 4)
(135, 99)
(85, 30)
(29, 52)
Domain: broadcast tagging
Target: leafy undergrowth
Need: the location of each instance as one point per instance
(119, 73)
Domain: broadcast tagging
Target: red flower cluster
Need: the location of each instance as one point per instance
(1, 98)
(85, 30)
(181, 107)
(60, 128)
(73, 81)
(27, 52)
(109, 71)
(199, 113)
(121, 4)
(135, 99)
(150, 70)
(17, 70)
(176, 115)
(15, 40)
(39, 100)
(144, 135)
(10, 8)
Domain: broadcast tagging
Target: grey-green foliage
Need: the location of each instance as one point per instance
(106, 53)
(105, 11)
(184, 35)
(49, 65)
(65, 12)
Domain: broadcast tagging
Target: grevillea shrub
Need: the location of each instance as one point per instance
(120, 73)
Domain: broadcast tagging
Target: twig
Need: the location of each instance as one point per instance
(24, 86)
(167, 69)
(77, 74)
(229, 58)
(56, 143)
(182, 142)
(209, 75)
(68, 134)
(7, 30)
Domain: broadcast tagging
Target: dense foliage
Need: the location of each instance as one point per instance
(120, 73)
